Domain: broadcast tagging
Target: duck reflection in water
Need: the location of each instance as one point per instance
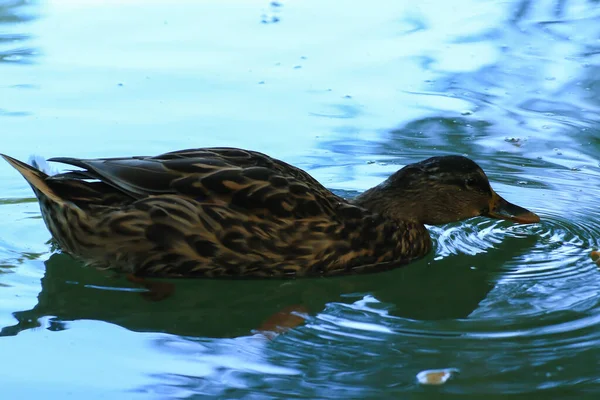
(424, 290)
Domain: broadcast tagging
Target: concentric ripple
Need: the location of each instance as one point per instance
(556, 248)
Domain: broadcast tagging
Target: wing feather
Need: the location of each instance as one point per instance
(245, 179)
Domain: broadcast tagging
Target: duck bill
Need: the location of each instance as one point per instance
(502, 209)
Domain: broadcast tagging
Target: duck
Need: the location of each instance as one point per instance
(235, 213)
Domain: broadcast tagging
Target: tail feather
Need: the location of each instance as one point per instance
(35, 177)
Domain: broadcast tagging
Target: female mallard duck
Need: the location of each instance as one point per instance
(225, 212)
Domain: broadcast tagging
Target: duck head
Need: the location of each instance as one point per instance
(441, 190)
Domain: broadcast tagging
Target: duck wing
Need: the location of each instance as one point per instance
(242, 179)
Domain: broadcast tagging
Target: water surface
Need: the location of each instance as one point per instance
(350, 93)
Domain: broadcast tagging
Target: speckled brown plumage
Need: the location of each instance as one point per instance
(225, 212)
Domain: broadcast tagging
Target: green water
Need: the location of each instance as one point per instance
(350, 92)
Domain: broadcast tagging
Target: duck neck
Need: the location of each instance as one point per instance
(408, 237)
(397, 206)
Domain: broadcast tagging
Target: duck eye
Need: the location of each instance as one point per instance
(470, 182)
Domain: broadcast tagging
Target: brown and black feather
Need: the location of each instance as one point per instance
(215, 212)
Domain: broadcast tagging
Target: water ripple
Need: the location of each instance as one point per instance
(560, 248)
(494, 349)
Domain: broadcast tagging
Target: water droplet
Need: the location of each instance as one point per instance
(522, 182)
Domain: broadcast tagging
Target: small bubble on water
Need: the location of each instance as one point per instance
(575, 169)
(549, 114)
(347, 96)
(545, 126)
(269, 19)
(466, 112)
(261, 82)
(120, 84)
(297, 66)
(522, 182)
(370, 162)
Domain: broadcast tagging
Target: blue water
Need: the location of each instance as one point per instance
(350, 92)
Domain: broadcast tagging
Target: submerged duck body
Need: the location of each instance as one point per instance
(226, 212)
